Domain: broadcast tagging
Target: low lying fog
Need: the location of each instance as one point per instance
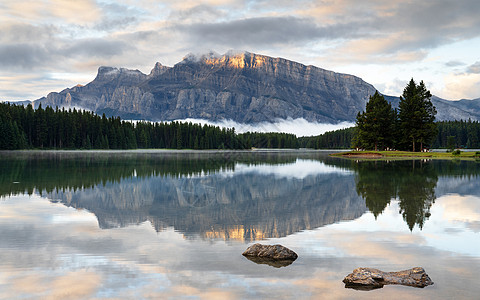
(299, 127)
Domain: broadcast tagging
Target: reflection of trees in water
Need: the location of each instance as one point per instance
(49, 171)
(376, 190)
(416, 193)
(411, 182)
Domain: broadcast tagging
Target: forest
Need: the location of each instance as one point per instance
(461, 134)
(25, 128)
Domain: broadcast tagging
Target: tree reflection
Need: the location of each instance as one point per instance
(376, 183)
(411, 182)
(416, 192)
(50, 171)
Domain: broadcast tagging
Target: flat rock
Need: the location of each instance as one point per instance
(272, 252)
(368, 278)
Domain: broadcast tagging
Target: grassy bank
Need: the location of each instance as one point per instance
(407, 154)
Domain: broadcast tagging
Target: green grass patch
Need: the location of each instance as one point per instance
(406, 154)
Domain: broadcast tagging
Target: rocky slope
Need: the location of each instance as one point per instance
(243, 87)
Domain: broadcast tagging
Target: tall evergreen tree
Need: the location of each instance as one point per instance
(375, 126)
(416, 116)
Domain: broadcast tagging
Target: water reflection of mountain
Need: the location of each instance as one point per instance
(246, 206)
(194, 193)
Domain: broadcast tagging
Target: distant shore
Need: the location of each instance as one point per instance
(407, 154)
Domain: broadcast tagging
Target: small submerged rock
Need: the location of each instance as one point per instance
(273, 255)
(368, 278)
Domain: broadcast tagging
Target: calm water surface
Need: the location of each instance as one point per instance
(173, 225)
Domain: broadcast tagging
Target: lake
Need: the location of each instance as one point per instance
(173, 224)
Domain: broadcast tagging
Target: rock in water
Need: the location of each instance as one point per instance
(271, 262)
(274, 252)
(368, 278)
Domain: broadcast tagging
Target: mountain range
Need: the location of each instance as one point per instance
(243, 87)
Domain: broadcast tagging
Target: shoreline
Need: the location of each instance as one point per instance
(406, 155)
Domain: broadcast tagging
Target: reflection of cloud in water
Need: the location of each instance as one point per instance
(461, 209)
(300, 169)
(77, 259)
(452, 226)
(80, 284)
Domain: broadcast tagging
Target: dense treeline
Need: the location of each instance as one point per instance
(462, 134)
(26, 128)
(458, 134)
(269, 140)
(338, 139)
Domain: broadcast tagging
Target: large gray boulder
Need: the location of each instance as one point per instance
(368, 278)
(272, 252)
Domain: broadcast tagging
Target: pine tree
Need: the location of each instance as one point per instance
(416, 116)
(179, 136)
(375, 126)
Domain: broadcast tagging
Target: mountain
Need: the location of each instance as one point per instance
(244, 87)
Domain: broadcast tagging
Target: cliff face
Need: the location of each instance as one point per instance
(112, 90)
(253, 88)
(243, 87)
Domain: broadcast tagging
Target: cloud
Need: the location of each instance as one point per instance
(111, 24)
(462, 86)
(198, 13)
(474, 69)
(117, 17)
(28, 86)
(29, 56)
(73, 12)
(97, 47)
(454, 63)
(397, 31)
(264, 31)
(26, 33)
(23, 55)
(71, 36)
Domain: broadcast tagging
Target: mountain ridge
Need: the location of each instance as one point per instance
(244, 87)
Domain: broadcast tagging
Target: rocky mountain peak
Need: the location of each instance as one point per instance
(231, 59)
(105, 71)
(118, 76)
(159, 69)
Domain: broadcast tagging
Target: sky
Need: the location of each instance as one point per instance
(49, 45)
